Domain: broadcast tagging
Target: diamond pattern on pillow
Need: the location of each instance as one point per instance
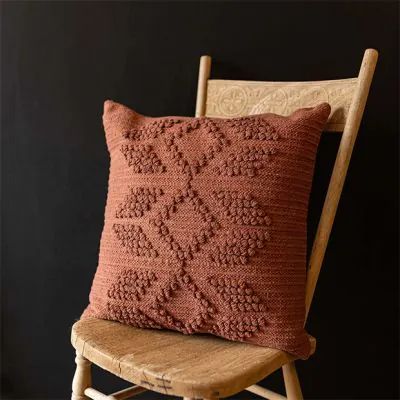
(205, 225)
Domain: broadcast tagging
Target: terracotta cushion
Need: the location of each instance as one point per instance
(205, 224)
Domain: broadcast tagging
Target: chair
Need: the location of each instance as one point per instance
(203, 366)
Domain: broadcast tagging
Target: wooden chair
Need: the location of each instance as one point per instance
(208, 367)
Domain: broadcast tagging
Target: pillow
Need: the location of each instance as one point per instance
(205, 225)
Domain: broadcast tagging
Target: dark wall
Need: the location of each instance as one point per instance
(61, 60)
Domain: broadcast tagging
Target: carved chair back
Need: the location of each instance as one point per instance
(347, 97)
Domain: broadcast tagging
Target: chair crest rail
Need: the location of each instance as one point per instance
(226, 98)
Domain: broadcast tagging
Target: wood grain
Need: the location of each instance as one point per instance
(120, 395)
(340, 171)
(199, 366)
(82, 377)
(265, 393)
(227, 98)
(292, 384)
(204, 74)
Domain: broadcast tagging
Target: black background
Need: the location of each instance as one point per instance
(61, 60)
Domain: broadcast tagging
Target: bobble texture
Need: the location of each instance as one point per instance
(142, 159)
(241, 209)
(246, 162)
(137, 202)
(205, 225)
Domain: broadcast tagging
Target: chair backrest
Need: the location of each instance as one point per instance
(347, 97)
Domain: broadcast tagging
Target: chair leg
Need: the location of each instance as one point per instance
(82, 378)
(292, 384)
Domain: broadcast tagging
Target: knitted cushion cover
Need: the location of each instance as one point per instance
(205, 224)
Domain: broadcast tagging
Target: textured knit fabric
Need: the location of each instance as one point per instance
(205, 224)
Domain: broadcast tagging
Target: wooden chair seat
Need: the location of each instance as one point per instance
(197, 366)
